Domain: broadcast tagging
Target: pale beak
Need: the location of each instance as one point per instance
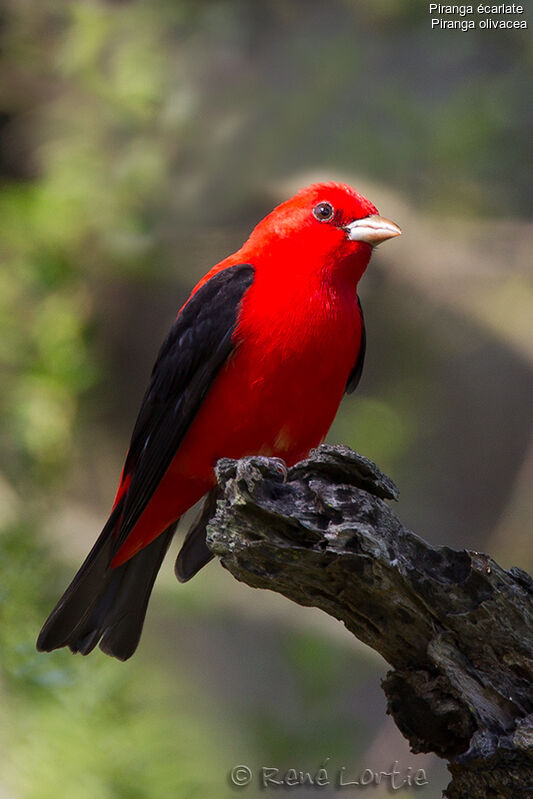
(372, 229)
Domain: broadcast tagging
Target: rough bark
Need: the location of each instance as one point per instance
(455, 626)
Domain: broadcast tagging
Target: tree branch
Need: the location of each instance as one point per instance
(456, 627)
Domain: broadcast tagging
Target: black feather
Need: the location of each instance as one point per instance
(197, 346)
(357, 371)
(194, 553)
(108, 606)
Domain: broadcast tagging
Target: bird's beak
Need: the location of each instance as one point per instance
(372, 229)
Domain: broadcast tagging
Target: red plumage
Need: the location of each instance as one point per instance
(294, 331)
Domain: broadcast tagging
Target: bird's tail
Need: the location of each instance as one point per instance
(105, 605)
(194, 553)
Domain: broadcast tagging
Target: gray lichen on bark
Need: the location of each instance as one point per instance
(455, 626)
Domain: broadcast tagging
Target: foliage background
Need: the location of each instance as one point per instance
(140, 142)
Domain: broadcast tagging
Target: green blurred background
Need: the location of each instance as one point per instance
(140, 143)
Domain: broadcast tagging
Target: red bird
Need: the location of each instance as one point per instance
(256, 362)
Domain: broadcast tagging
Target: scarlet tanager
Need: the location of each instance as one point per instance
(256, 362)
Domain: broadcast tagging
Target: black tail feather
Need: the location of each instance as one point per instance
(103, 604)
(195, 554)
(118, 617)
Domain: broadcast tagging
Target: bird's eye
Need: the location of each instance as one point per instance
(323, 212)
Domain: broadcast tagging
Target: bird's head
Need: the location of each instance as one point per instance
(330, 223)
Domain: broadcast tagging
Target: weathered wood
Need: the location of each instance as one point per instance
(456, 627)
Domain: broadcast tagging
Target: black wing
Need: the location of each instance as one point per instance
(197, 346)
(110, 604)
(357, 371)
